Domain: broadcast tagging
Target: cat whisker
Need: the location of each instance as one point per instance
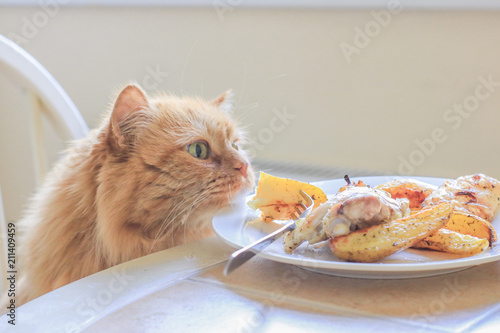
(169, 219)
(187, 212)
(188, 207)
(229, 196)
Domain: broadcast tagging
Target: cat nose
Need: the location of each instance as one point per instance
(242, 167)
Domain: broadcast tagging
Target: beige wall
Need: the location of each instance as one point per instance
(366, 113)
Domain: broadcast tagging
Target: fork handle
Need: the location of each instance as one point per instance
(244, 254)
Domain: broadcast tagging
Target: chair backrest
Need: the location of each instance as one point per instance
(30, 74)
(48, 100)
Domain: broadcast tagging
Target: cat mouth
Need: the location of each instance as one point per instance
(232, 192)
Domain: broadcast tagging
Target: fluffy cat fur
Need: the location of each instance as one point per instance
(132, 188)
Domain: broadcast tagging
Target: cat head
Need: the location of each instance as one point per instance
(175, 152)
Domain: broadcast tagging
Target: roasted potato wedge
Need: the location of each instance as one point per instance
(453, 242)
(472, 225)
(270, 188)
(414, 190)
(379, 241)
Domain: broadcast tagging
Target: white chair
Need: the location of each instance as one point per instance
(47, 99)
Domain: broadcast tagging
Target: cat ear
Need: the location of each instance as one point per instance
(225, 101)
(130, 100)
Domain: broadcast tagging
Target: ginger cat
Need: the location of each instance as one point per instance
(150, 177)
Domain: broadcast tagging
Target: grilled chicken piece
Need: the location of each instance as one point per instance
(355, 207)
(477, 194)
(414, 190)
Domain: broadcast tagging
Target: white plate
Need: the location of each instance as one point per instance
(234, 228)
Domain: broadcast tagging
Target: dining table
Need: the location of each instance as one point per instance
(184, 289)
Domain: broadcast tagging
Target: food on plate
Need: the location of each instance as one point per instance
(357, 206)
(453, 242)
(413, 190)
(477, 194)
(278, 197)
(476, 200)
(367, 224)
(472, 225)
(379, 241)
(350, 184)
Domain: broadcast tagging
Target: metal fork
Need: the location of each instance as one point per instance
(241, 256)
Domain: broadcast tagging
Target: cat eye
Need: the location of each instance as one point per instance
(235, 146)
(198, 150)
